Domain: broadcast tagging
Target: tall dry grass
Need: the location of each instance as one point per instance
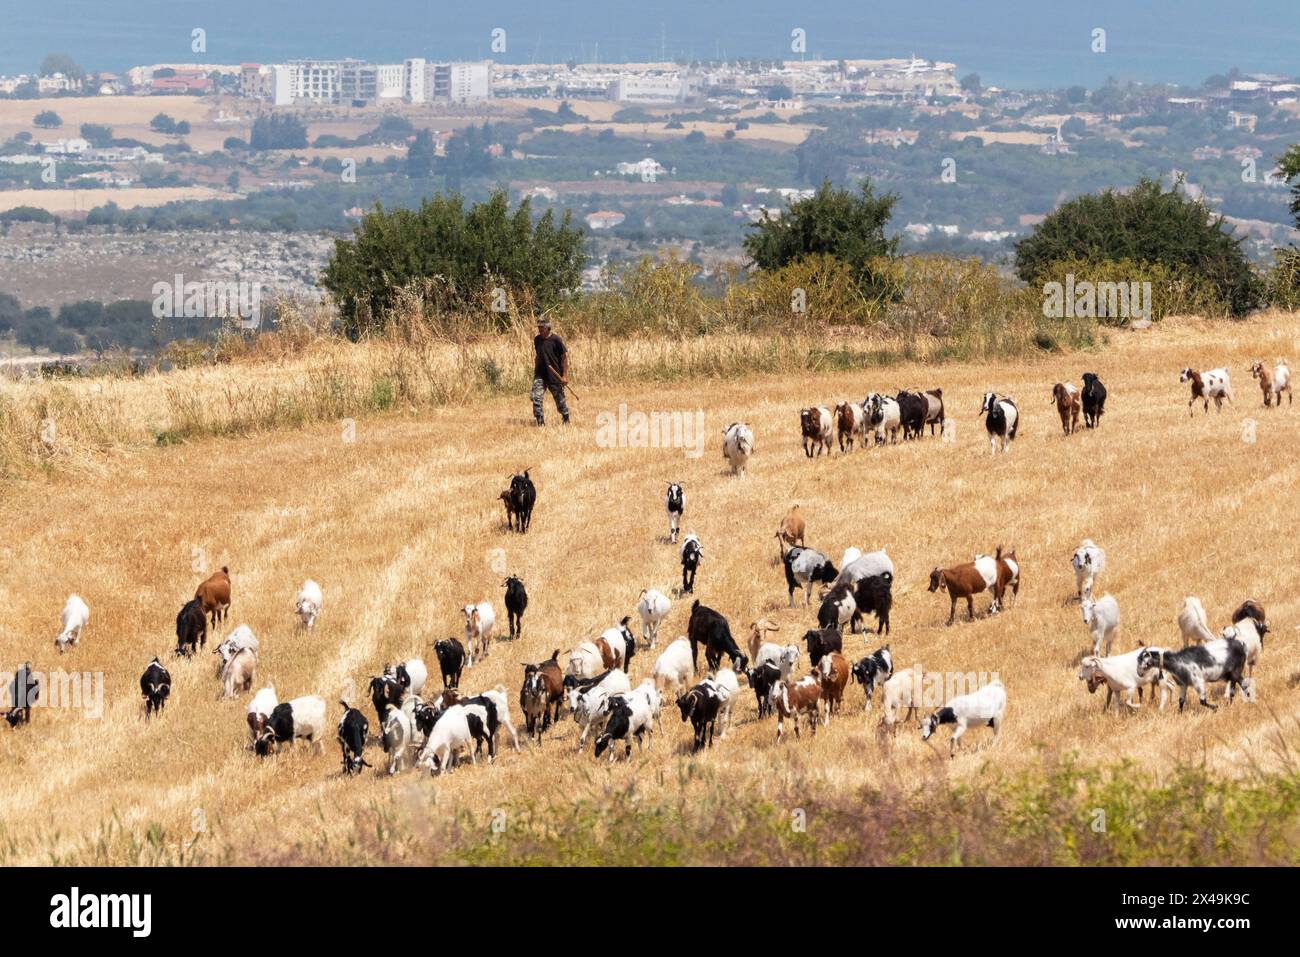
(401, 526)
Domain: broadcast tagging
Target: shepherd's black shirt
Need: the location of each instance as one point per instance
(549, 351)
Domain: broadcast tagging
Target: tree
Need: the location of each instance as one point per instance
(970, 83)
(1144, 224)
(61, 63)
(780, 92)
(162, 123)
(1289, 165)
(456, 249)
(834, 222)
(81, 315)
(48, 120)
(97, 135)
(278, 131)
(11, 312)
(694, 138)
(421, 156)
(730, 195)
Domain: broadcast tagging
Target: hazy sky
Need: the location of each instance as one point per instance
(1009, 42)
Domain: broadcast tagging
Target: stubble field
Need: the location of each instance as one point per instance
(401, 526)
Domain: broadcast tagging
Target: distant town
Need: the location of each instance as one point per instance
(103, 176)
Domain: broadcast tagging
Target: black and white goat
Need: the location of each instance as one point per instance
(1001, 419)
(1220, 659)
(675, 502)
(353, 729)
(155, 687)
(803, 568)
(692, 552)
(873, 671)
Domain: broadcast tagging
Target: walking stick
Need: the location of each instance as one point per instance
(569, 388)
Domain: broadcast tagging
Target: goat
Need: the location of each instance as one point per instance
(155, 687)
(850, 423)
(259, 711)
(617, 646)
(75, 616)
(398, 734)
(541, 695)
(763, 678)
(214, 593)
(1274, 383)
(834, 672)
(1251, 609)
(737, 446)
(516, 603)
(1094, 400)
(1196, 665)
(520, 499)
(816, 424)
(692, 552)
(791, 530)
(874, 595)
(875, 669)
(1088, 562)
(630, 715)
(985, 706)
(726, 686)
(789, 700)
(839, 608)
(1120, 673)
(451, 660)
(480, 619)
(1066, 397)
(653, 607)
(301, 718)
(803, 568)
(700, 706)
(308, 606)
(1206, 386)
(353, 729)
(963, 581)
(856, 566)
(821, 642)
(1001, 420)
(1102, 619)
(675, 502)
(883, 415)
(785, 657)
(912, 410)
(454, 730)
(903, 689)
(239, 673)
(674, 667)
(1192, 622)
(709, 629)
(757, 630)
(191, 628)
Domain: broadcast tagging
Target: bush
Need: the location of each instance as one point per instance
(833, 222)
(48, 120)
(1145, 224)
(454, 255)
(1282, 284)
(278, 131)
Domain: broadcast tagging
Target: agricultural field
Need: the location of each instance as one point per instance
(397, 515)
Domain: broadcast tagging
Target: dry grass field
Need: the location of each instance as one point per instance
(402, 526)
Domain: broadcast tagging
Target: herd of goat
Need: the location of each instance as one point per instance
(420, 726)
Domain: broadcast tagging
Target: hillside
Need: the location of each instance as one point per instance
(402, 526)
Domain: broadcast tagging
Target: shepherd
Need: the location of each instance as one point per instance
(550, 370)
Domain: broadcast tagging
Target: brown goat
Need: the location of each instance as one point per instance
(756, 631)
(1068, 404)
(791, 530)
(1274, 383)
(608, 657)
(214, 592)
(790, 699)
(960, 581)
(834, 670)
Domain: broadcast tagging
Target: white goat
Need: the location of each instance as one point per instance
(983, 707)
(75, 616)
(1192, 622)
(1120, 673)
(1102, 619)
(737, 446)
(726, 687)
(653, 607)
(309, 603)
(398, 734)
(448, 736)
(674, 669)
(1089, 561)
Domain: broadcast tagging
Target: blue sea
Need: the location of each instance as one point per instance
(1028, 44)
